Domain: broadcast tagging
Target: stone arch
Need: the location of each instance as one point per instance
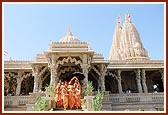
(27, 83)
(111, 83)
(69, 59)
(65, 72)
(68, 65)
(66, 69)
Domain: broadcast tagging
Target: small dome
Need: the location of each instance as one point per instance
(69, 37)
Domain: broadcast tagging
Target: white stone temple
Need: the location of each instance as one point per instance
(127, 44)
(127, 77)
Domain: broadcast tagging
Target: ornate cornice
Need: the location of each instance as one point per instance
(136, 64)
(17, 64)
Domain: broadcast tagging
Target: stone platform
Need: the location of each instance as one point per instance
(16, 108)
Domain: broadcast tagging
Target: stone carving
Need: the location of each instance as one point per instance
(126, 42)
(67, 69)
(69, 59)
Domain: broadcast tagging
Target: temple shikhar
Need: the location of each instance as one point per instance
(128, 77)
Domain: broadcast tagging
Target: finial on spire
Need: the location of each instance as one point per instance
(89, 45)
(69, 31)
(128, 14)
(11, 59)
(119, 19)
(128, 17)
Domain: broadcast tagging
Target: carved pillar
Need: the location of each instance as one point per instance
(162, 73)
(53, 69)
(103, 70)
(6, 83)
(85, 68)
(85, 72)
(19, 79)
(138, 79)
(145, 89)
(35, 72)
(119, 81)
(54, 78)
(40, 82)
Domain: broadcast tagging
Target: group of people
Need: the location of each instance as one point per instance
(68, 94)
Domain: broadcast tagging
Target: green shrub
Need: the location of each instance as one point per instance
(88, 89)
(41, 103)
(97, 101)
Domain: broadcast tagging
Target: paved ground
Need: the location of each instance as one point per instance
(24, 108)
(18, 108)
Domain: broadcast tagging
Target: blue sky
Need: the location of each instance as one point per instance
(28, 28)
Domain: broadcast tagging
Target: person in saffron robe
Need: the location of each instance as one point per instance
(78, 97)
(56, 92)
(58, 96)
(62, 88)
(65, 96)
(71, 96)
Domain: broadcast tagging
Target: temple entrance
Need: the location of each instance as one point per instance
(67, 71)
(67, 76)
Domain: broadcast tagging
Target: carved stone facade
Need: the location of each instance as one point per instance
(128, 67)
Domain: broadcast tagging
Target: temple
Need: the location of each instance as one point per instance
(128, 77)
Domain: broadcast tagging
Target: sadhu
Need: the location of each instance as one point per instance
(68, 94)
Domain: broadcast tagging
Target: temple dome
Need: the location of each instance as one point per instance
(69, 37)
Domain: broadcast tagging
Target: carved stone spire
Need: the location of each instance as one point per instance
(127, 44)
(115, 49)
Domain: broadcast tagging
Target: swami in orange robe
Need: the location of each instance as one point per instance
(65, 96)
(78, 97)
(71, 96)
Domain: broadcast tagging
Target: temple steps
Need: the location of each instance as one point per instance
(133, 106)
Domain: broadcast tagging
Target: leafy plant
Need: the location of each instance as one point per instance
(41, 103)
(45, 103)
(88, 89)
(83, 103)
(50, 91)
(97, 101)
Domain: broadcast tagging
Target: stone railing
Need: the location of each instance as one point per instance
(20, 100)
(16, 100)
(134, 97)
(112, 98)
